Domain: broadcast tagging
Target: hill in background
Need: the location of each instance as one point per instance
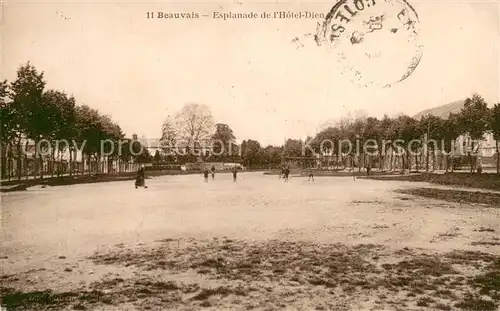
(442, 111)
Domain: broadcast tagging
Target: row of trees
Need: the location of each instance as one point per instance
(382, 133)
(433, 139)
(31, 115)
(40, 128)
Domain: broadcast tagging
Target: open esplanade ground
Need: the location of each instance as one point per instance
(259, 243)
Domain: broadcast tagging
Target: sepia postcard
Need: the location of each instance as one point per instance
(250, 155)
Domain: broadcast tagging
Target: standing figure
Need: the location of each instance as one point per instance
(205, 174)
(140, 179)
(235, 173)
(213, 172)
(311, 175)
(287, 172)
(282, 173)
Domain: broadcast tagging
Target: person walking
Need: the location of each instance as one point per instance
(282, 173)
(213, 172)
(235, 174)
(311, 175)
(205, 174)
(140, 180)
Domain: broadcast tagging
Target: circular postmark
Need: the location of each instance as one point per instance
(376, 41)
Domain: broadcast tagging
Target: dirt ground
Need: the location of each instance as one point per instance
(260, 243)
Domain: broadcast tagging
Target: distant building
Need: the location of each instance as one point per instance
(485, 148)
(488, 147)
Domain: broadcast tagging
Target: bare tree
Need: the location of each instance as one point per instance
(168, 135)
(194, 125)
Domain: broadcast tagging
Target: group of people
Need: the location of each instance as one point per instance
(285, 174)
(212, 170)
(140, 180)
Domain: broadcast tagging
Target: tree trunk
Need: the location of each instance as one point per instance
(18, 159)
(83, 164)
(64, 168)
(427, 159)
(471, 156)
(40, 158)
(391, 159)
(380, 159)
(77, 164)
(498, 157)
(58, 163)
(52, 161)
(26, 160)
(3, 160)
(89, 164)
(98, 164)
(9, 159)
(35, 162)
(70, 162)
(408, 163)
(387, 159)
(432, 157)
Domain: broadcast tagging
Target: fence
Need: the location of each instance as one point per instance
(29, 168)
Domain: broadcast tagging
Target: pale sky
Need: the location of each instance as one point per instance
(138, 70)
